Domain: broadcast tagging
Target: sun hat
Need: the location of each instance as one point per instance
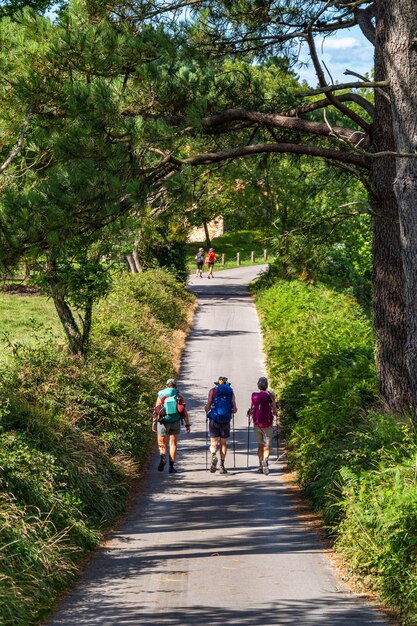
(222, 380)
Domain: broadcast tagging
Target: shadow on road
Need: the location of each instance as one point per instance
(285, 612)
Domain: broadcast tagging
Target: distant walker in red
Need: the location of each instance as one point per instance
(210, 260)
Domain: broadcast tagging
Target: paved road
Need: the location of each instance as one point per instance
(207, 549)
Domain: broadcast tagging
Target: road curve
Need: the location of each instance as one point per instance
(198, 548)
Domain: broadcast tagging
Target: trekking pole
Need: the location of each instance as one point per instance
(277, 441)
(234, 446)
(206, 445)
(247, 455)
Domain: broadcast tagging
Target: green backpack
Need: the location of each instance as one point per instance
(170, 406)
(169, 402)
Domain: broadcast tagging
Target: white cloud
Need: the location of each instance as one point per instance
(344, 43)
(341, 52)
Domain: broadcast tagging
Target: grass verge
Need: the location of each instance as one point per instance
(23, 318)
(73, 435)
(355, 463)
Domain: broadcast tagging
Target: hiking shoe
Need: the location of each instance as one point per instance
(172, 470)
(213, 466)
(222, 470)
(265, 468)
(162, 464)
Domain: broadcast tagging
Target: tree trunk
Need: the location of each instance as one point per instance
(74, 336)
(131, 263)
(135, 255)
(398, 19)
(389, 296)
(87, 322)
(207, 234)
(27, 270)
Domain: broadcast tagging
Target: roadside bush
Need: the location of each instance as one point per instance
(378, 535)
(356, 464)
(306, 330)
(74, 433)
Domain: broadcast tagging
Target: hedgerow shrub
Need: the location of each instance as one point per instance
(355, 463)
(378, 534)
(73, 433)
(307, 330)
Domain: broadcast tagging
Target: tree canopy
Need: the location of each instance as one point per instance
(105, 112)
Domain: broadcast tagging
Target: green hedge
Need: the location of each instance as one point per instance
(355, 463)
(73, 434)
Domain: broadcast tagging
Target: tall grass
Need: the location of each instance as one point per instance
(73, 434)
(355, 463)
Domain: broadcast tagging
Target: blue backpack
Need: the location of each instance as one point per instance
(222, 407)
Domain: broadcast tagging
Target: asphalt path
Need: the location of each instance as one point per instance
(201, 548)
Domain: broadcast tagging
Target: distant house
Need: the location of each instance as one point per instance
(215, 229)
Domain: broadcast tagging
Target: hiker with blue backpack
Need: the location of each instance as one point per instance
(168, 415)
(263, 409)
(220, 409)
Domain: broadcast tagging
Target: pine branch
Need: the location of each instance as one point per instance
(333, 99)
(169, 8)
(280, 148)
(320, 104)
(21, 139)
(378, 89)
(276, 120)
(364, 20)
(337, 87)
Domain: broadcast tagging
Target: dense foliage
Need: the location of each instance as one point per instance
(355, 462)
(73, 434)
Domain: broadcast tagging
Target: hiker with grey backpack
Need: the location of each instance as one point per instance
(199, 257)
(220, 410)
(263, 410)
(167, 417)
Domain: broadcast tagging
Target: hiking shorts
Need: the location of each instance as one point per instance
(263, 436)
(219, 430)
(200, 266)
(169, 428)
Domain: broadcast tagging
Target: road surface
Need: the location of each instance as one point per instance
(199, 548)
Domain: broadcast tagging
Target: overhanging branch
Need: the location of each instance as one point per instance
(276, 120)
(280, 148)
(325, 102)
(337, 87)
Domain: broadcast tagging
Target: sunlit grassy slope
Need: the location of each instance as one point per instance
(23, 318)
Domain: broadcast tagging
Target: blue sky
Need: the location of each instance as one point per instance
(348, 49)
